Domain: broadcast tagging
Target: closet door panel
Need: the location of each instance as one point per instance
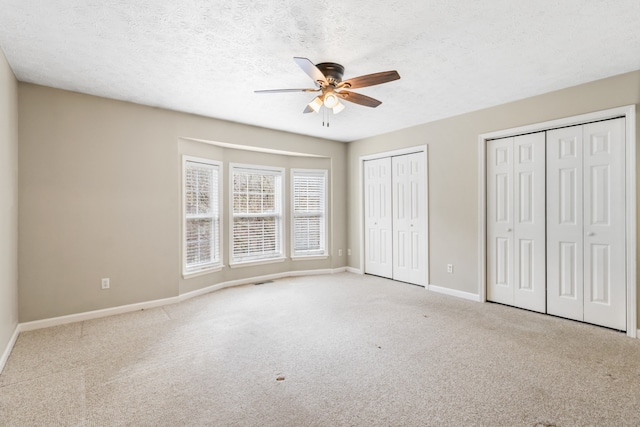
(409, 213)
(378, 220)
(529, 222)
(500, 223)
(604, 224)
(564, 223)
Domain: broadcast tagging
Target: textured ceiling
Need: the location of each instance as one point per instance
(207, 57)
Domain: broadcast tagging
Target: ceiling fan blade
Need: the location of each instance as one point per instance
(285, 90)
(357, 98)
(370, 79)
(311, 70)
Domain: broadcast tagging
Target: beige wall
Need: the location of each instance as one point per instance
(100, 197)
(100, 191)
(8, 203)
(453, 169)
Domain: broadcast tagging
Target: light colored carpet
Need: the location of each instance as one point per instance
(323, 351)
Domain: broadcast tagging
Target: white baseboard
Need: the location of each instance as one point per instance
(354, 270)
(10, 344)
(95, 314)
(454, 293)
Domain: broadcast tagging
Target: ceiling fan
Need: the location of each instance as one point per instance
(327, 77)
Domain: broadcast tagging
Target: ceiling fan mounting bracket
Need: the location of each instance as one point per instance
(333, 72)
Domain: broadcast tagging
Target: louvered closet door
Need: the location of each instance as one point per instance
(586, 223)
(378, 220)
(409, 205)
(516, 221)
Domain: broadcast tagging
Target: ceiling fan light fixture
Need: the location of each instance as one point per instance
(338, 108)
(316, 104)
(330, 100)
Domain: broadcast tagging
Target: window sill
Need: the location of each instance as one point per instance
(308, 257)
(202, 272)
(257, 262)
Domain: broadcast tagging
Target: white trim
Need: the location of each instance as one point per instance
(275, 170)
(257, 262)
(630, 139)
(203, 272)
(9, 348)
(426, 220)
(482, 218)
(354, 270)
(394, 153)
(95, 314)
(308, 257)
(629, 112)
(454, 293)
(361, 229)
(252, 148)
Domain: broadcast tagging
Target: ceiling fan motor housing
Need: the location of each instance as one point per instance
(333, 72)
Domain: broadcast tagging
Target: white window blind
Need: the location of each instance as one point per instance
(257, 214)
(202, 215)
(309, 188)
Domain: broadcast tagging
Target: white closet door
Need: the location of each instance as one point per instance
(378, 220)
(500, 234)
(516, 221)
(586, 223)
(409, 205)
(529, 222)
(604, 224)
(564, 223)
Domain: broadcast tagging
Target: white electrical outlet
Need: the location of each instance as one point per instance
(105, 283)
(349, 252)
(339, 252)
(449, 268)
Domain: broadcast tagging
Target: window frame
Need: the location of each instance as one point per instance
(280, 215)
(216, 264)
(324, 251)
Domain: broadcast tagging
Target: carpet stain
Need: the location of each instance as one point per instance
(543, 424)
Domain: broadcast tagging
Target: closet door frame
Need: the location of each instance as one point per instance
(400, 152)
(629, 113)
